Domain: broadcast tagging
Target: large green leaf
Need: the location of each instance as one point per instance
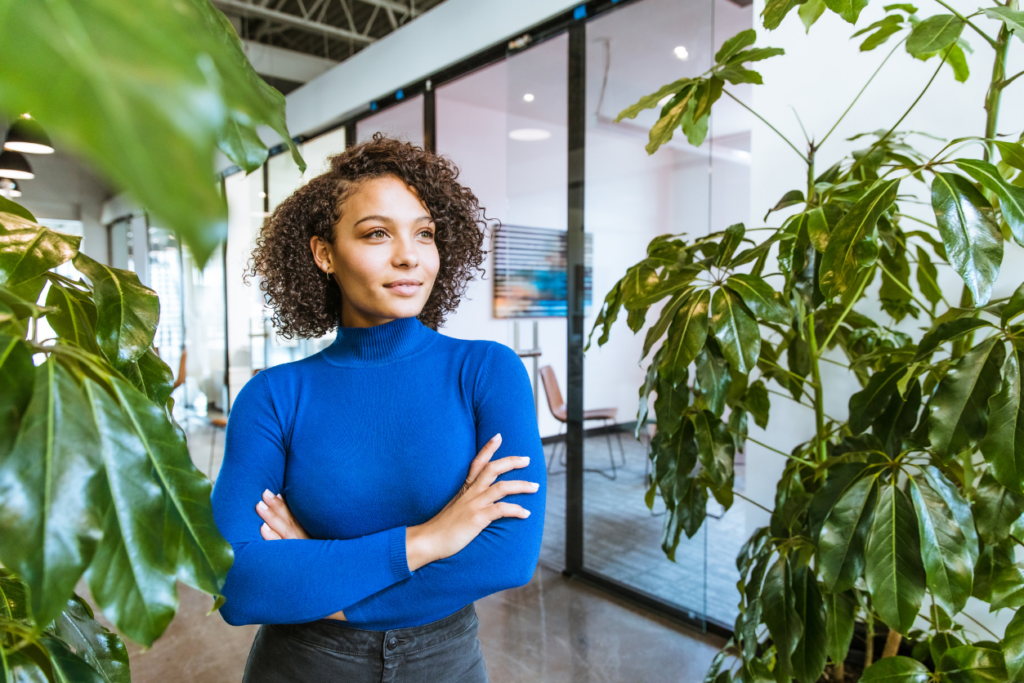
(1003, 445)
(129, 577)
(949, 567)
(760, 298)
(715, 447)
(713, 378)
(652, 100)
(1014, 19)
(928, 277)
(849, 10)
(838, 480)
(895, 426)
(102, 650)
(958, 411)
(867, 405)
(969, 233)
(733, 45)
(686, 335)
(995, 509)
(672, 400)
(958, 505)
(75, 316)
(195, 549)
(17, 376)
(607, 315)
(780, 615)
(128, 311)
(732, 239)
(66, 666)
(852, 245)
(28, 249)
(736, 331)
(843, 536)
(1011, 197)
(950, 330)
(969, 664)
(808, 658)
(668, 314)
(145, 96)
(49, 484)
(1013, 648)
(933, 34)
(894, 572)
(896, 670)
(840, 610)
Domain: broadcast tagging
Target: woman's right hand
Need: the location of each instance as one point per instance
(472, 509)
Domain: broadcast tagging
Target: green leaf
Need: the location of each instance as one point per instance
(7, 206)
(686, 335)
(969, 233)
(730, 241)
(128, 311)
(758, 403)
(661, 132)
(810, 11)
(736, 74)
(880, 36)
(75, 317)
(969, 664)
(49, 483)
(852, 246)
(775, 11)
(928, 277)
(995, 509)
(736, 332)
(849, 10)
(651, 101)
(840, 610)
(1012, 153)
(1008, 587)
(934, 34)
(808, 658)
(951, 330)
(670, 405)
(894, 572)
(102, 650)
(1013, 648)
(714, 447)
(196, 85)
(17, 376)
(1003, 444)
(713, 378)
(66, 665)
(733, 45)
(155, 377)
(957, 60)
(1011, 197)
(791, 198)
(867, 405)
(760, 298)
(129, 577)
(780, 615)
(895, 426)
(755, 54)
(1014, 19)
(1014, 307)
(958, 411)
(607, 316)
(838, 479)
(958, 505)
(28, 249)
(948, 565)
(896, 670)
(843, 536)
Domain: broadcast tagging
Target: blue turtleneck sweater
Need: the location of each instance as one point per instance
(371, 435)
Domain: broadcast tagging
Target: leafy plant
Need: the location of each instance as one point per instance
(96, 480)
(913, 504)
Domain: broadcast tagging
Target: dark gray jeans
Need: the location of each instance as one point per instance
(443, 651)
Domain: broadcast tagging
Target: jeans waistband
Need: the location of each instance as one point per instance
(338, 636)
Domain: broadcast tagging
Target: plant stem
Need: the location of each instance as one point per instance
(753, 502)
(892, 643)
(773, 450)
(924, 307)
(981, 625)
(819, 401)
(799, 403)
(869, 646)
(767, 124)
(995, 88)
(779, 367)
(969, 23)
(895, 125)
(846, 312)
(860, 93)
(1011, 79)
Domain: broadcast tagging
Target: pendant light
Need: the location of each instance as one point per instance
(14, 165)
(9, 188)
(27, 136)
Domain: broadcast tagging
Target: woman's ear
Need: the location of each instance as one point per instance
(321, 254)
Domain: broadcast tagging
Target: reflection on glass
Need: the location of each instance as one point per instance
(403, 120)
(317, 150)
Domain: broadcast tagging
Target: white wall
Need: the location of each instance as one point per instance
(818, 76)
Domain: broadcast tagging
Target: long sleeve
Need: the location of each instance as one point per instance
(287, 581)
(504, 555)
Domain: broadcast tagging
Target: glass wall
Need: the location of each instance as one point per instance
(403, 120)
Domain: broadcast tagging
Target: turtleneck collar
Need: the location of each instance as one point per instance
(380, 344)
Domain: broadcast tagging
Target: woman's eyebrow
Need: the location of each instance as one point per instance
(387, 219)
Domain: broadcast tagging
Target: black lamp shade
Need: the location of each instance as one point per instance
(14, 165)
(27, 136)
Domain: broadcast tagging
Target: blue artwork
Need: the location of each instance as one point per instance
(529, 267)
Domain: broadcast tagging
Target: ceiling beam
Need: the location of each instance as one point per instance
(250, 10)
(393, 5)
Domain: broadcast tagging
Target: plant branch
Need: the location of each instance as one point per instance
(981, 625)
(773, 450)
(767, 124)
(969, 23)
(819, 397)
(753, 502)
(846, 312)
(1011, 79)
(896, 125)
(779, 367)
(902, 286)
(836, 124)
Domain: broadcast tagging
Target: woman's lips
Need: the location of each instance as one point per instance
(404, 290)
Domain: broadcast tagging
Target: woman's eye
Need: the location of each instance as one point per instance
(428, 233)
(378, 230)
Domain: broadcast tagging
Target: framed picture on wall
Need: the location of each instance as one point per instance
(529, 267)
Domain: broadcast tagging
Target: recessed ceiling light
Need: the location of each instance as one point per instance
(528, 97)
(529, 134)
(682, 53)
(262, 195)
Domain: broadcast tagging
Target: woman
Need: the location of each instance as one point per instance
(359, 489)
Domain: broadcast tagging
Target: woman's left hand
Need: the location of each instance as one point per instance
(279, 522)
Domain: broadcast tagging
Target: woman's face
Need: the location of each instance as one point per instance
(384, 257)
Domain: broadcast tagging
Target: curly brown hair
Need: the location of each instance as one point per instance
(306, 303)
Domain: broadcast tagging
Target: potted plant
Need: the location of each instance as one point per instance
(96, 480)
(897, 515)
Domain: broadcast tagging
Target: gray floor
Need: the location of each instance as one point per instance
(551, 630)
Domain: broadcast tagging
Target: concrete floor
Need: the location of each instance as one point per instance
(552, 630)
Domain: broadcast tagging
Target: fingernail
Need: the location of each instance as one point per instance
(279, 496)
(497, 437)
(266, 492)
(264, 526)
(262, 506)
(527, 513)
(526, 459)
(535, 486)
